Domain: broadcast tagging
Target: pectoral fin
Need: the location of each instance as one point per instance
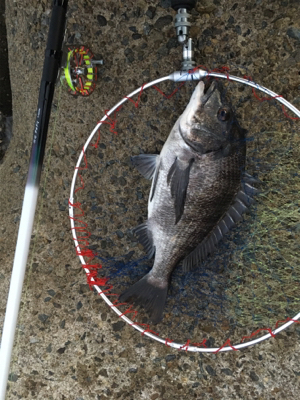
(178, 179)
(146, 164)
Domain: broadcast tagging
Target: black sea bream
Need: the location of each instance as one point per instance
(199, 191)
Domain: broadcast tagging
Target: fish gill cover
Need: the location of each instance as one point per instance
(252, 279)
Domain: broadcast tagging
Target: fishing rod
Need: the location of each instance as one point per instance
(52, 64)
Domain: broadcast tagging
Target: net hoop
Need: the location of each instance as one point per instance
(193, 75)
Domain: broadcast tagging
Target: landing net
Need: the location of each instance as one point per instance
(249, 289)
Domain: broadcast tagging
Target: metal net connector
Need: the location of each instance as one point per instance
(188, 55)
(182, 25)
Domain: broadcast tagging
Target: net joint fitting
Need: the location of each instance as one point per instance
(182, 26)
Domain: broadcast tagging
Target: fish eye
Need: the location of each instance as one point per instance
(223, 114)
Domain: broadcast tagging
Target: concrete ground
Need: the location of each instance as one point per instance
(69, 344)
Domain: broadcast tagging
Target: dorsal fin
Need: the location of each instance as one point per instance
(146, 164)
(234, 213)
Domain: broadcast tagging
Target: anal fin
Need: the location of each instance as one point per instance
(145, 238)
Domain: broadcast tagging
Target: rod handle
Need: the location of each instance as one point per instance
(187, 4)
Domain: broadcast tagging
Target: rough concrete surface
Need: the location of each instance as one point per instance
(69, 344)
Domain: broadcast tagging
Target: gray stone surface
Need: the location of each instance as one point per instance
(69, 345)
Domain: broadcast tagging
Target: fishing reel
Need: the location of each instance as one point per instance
(79, 70)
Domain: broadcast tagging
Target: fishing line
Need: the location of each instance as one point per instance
(231, 312)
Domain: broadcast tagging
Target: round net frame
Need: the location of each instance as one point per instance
(81, 235)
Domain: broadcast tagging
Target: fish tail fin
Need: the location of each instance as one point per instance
(150, 294)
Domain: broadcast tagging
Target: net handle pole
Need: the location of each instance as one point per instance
(52, 63)
(187, 4)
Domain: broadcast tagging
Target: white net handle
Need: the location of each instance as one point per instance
(176, 77)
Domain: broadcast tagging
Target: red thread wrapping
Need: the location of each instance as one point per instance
(168, 341)
(82, 184)
(198, 67)
(97, 140)
(188, 344)
(249, 78)
(220, 70)
(76, 205)
(107, 291)
(149, 330)
(200, 344)
(227, 343)
(268, 99)
(136, 103)
(111, 122)
(84, 251)
(145, 330)
(264, 98)
(288, 116)
(226, 70)
(129, 310)
(287, 320)
(93, 280)
(93, 267)
(168, 96)
(85, 161)
(185, 346)
(257, 332)
(91, 276)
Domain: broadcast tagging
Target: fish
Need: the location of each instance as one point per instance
(199, 192)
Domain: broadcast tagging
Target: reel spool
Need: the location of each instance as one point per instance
(80, 71)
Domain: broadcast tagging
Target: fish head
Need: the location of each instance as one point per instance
(208, 123)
